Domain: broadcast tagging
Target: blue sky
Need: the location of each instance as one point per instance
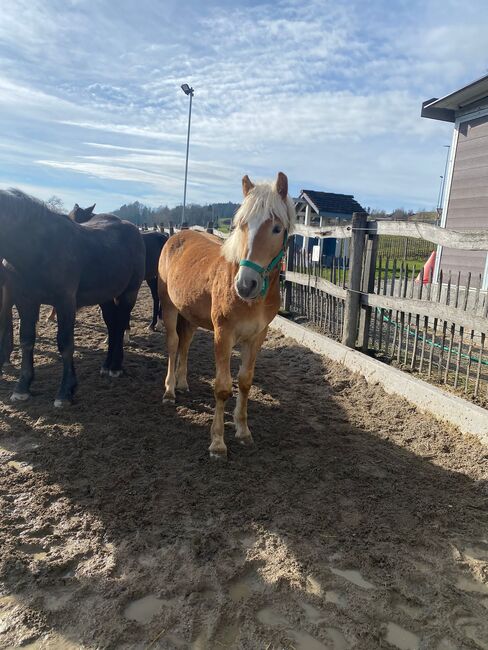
(327, 91)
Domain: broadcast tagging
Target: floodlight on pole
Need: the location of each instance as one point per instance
(188, 91)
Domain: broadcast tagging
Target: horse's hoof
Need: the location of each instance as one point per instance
(246, 441)
(61, 403)
(159, 326)
(115, 374)
(169, 399)
(218, 456)
(104, 372)
(183, 390)
(19, 397)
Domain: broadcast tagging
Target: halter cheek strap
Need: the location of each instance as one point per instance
(265, 271)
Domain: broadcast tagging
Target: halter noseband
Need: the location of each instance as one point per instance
(265, 271)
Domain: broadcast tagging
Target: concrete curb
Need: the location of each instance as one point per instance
(468, 417)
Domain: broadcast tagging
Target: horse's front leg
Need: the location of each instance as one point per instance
(29, 315)
(249, 352)
(223, 390)
(66, 314)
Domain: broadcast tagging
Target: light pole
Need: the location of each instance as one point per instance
(188, 91)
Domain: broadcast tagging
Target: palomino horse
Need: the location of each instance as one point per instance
(52, 260)
(232, 289)
(153, 242)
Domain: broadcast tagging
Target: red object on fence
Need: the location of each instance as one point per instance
(428, 272)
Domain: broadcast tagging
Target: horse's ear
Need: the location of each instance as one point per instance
(246, 185)
(282, 185)
(76, 206)
(91, 208)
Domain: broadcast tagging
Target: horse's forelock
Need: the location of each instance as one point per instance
(261, 202)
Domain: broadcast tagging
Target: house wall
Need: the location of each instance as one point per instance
(467, 195)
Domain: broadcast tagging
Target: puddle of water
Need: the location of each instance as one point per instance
(335, 597)
(338, 639)
(446, 644)
(36, 550)
(401, 638)
(243, 588)
(305, 641)
(468, 584)
(351, 575)
(475, 553)
(312, 613)
(477, 635)
(144, 609)
(200, 643)
(268, 616)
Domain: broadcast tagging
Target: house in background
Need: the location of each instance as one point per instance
(465, 203)
(320, 209)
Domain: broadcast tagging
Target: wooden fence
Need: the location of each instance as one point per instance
(375, 302)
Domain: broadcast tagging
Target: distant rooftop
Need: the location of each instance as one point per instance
(446, 107)
(327, 202)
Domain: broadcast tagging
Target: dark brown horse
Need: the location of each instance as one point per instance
(50, 259)
(153, 242)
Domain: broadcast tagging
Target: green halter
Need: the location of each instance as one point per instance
(265, 271)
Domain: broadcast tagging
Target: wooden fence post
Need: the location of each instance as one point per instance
(171, 228)
(367, 286)
(351, 311)
(210, 227)
(290, 257)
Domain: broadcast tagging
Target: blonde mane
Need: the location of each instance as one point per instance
(261, 203)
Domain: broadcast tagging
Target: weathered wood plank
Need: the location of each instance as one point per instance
(429, 309)
(317, 283)
(324, 232)
(472, 240)
(469, 240)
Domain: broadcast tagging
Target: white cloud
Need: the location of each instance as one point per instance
(329, 92)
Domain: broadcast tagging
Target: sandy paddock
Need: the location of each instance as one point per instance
(354, 522)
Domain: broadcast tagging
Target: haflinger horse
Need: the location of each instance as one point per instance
(50, 259)
(230, 288)
(153, 243)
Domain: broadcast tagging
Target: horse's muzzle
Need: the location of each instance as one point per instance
(248, 283)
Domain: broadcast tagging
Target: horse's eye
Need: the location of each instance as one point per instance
(277, 229)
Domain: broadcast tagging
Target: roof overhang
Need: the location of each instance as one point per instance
(446, 108)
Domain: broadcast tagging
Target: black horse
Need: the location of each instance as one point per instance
(50, 259)
(153, 241)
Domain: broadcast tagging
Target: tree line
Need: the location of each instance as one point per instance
(195, 214)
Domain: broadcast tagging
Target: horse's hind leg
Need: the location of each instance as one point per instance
(6, 327)
(29, 315)
(170, 319)
(109, 316)
(152, 283)
(223, 344)
(249, 353)
(66, 314)
(185, 332)
(122, 313)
